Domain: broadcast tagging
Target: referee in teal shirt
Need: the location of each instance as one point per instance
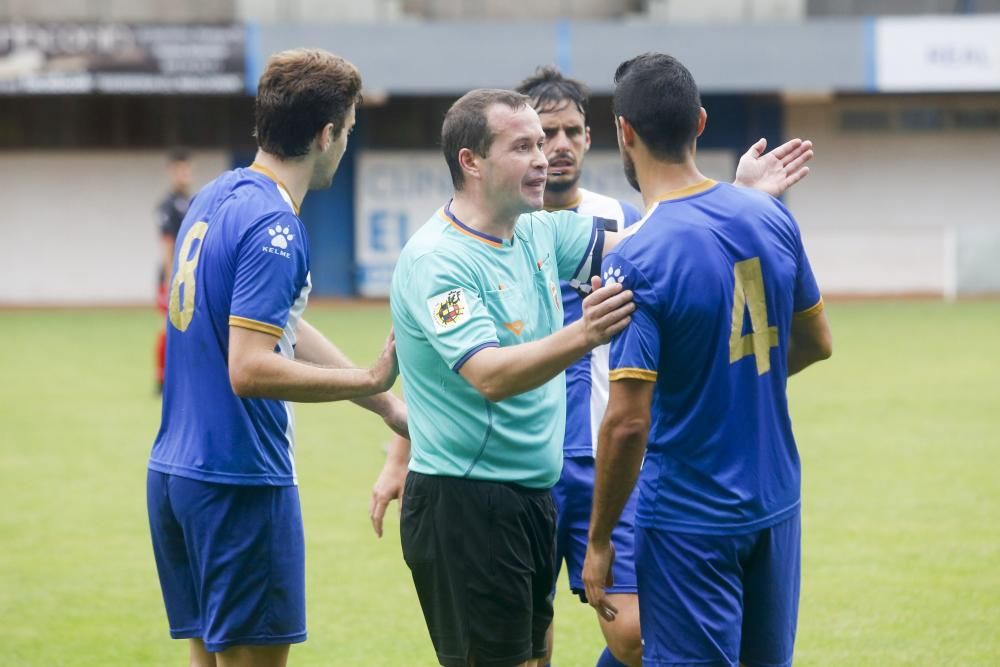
(478, 318)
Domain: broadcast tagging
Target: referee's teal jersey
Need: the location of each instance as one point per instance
(242, 260)
(718, 273)
(456, 291)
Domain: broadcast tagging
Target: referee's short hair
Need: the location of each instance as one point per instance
(300, 91)
(658, 96)
(466, 125)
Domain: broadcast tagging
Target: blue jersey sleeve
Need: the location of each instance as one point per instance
(635, 352)
(446, 304)
(272, 265)
(808, 300)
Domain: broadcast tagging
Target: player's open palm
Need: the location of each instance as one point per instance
(606, 311)
(776, 171)
(386, 367)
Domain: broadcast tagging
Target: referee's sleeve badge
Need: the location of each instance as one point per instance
(448, 309)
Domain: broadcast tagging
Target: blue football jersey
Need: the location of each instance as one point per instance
(242, 260)
(587, 378)
(718, 274)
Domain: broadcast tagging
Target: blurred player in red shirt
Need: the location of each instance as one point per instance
(169, 214)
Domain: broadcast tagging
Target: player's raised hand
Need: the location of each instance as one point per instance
(776, 171)
(606, 311)
(386, 368)
(389, 485)
(597, 577)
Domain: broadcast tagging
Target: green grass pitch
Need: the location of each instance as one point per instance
(899, 435)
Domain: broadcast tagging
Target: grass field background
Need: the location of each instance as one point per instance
(899, 435)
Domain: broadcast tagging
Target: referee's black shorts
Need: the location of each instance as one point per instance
(482, 555)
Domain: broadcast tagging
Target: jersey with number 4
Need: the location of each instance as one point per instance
(242, 260)
(718, 273)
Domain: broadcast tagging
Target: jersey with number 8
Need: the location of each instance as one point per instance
(243, 262)
(183, 286)
(718, 274)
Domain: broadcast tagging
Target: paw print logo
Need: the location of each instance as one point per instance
(280, 236)
(613, 276)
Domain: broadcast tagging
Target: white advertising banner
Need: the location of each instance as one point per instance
(937, 54)
(398, 191)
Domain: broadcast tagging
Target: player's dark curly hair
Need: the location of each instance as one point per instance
(549, 90)
(300, 91)
(658, 96)
(466, 125)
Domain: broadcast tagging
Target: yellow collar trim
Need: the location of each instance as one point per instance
(260, 169)
(690, 190)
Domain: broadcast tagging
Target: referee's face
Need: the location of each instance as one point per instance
(514, 171)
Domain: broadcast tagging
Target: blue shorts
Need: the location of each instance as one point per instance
(231, 560)
(574, 496)
(717, 600)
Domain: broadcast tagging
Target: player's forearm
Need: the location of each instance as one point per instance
(802, 356)
(810, 341)
(399, 450)
(270, 375)
(313, 347)
(622, 443)
(501, 372)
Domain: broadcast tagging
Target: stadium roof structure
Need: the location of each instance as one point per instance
(854, 55)
(447, 58)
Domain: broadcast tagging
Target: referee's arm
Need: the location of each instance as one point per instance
(501, 372)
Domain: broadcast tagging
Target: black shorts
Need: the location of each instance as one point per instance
(482, 555)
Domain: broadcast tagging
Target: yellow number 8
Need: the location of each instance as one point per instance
(181, 311)
(749, 295)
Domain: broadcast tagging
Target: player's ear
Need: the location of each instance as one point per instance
(702, 119)
(469, 162)
(626, 133)
(326, 137)
(586, 138)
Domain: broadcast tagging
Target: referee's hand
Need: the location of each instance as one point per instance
(606, 311)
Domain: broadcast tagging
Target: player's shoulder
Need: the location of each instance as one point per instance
(542, 227)
(750, 199)
(602, 206)
(242, 207)
(245, 197)
(759, 209)
(657, 234)
(434, 243)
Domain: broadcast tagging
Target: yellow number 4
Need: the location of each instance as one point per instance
(182, 308)
(749, 292)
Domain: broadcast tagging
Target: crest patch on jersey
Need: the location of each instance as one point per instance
(613, 275)
(448, 310)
